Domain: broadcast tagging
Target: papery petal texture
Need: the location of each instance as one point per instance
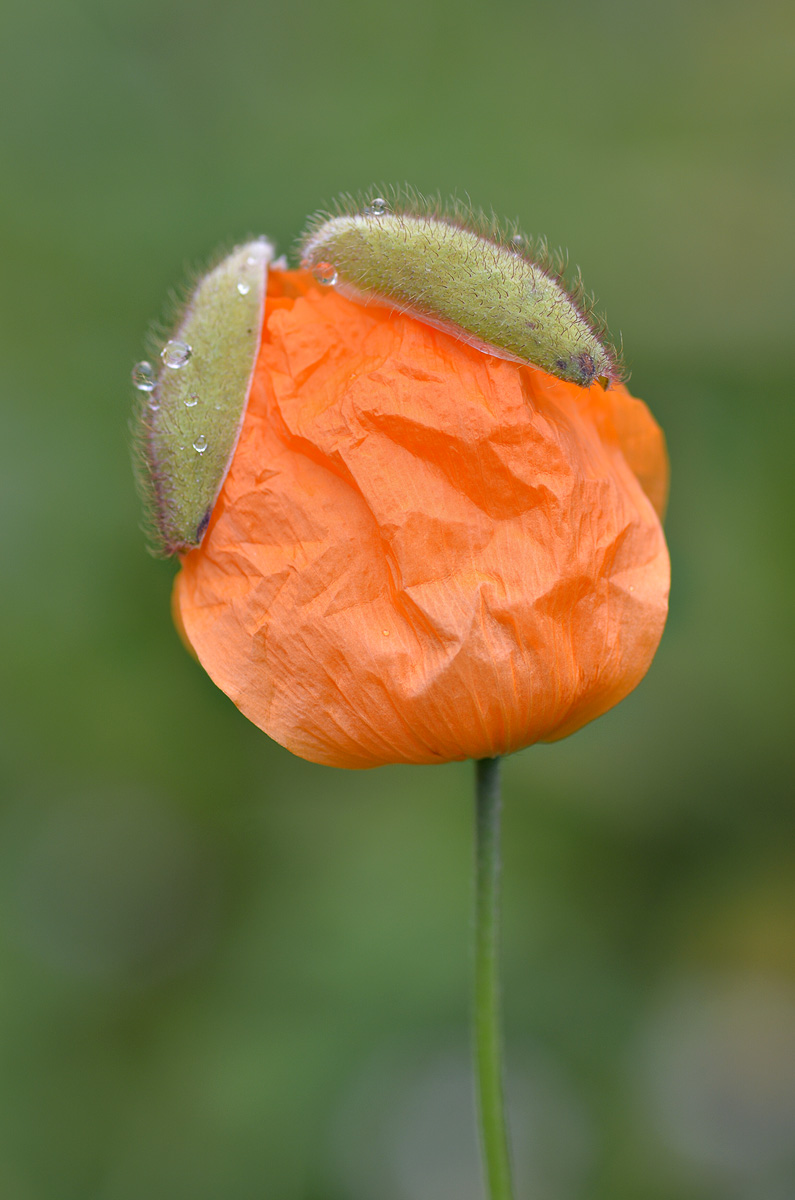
(422, 552)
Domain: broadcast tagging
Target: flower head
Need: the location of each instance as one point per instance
(422, 552)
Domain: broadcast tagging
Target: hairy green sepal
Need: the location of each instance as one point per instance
(190, 422)
(490, 292)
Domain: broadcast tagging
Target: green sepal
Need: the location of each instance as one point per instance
(189, 421)
(464, 274)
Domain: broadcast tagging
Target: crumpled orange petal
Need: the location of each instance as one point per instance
(422, 552)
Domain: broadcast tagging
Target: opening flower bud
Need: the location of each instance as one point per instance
(421, 552)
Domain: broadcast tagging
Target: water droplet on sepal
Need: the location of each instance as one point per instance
(200, 445)
(175, 354)
(144, 377)
(325, 273)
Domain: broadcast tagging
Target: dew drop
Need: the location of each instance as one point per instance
(192, 400)
(144, 377)
(326, 273)
(175, 354)
(244, 288)
(200, 445)
(154, 403)
(377, 207)
(518, 241)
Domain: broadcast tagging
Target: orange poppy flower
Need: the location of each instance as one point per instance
(423, 552)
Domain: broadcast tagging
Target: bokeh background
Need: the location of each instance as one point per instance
(225, 972)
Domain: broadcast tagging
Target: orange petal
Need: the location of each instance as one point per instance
(422, 552)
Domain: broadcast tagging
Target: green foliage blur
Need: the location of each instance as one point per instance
(225, 972)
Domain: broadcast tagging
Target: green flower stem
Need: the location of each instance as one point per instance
(488, 1044)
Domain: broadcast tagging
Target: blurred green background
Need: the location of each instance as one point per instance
(225, 972)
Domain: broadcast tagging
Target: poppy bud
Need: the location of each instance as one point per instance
(422, 552)
(465, 275)
(189, 422)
